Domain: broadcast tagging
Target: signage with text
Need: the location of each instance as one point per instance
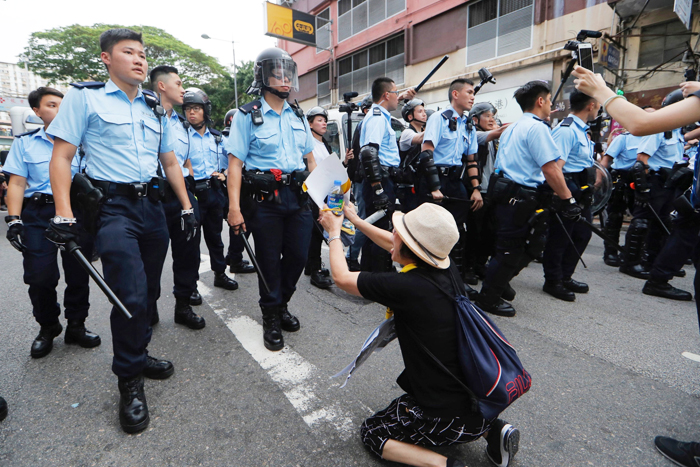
(289, 24)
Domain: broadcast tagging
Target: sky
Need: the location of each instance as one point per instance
(240, 21)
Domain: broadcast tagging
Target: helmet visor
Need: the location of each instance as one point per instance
(279, 72)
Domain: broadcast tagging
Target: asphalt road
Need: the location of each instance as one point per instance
(607, 370)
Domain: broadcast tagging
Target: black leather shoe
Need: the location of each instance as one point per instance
(575, 286)
(158, 369)
(469, 277)
(185, 315)
(665, 290)
(288, 321)
(133, 410)
(353, 265)
(508, 293)
(195, 298)
(611, 259)
(679, 273)
(244, 267)
(557, 290)
(225, 282)
(3, 409)
(77, 334)
(43, 343)
(321, 279)
(638, 271)
(500, 308)
(272, 334)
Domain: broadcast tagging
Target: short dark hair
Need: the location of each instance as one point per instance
(457, 85)
(644, 107)
(579, 100)
(111, 37)
(527, 95)
(36, 95)
(406, 252)
(159, 71)
(380, 86)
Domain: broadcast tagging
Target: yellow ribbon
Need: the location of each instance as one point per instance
(408, 267)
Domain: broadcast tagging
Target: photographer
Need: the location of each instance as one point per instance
(435, 409)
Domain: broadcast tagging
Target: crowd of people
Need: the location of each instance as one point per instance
(458, 193)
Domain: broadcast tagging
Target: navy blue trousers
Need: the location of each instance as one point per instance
(132, 241)
(282, 233)
(185, 254)
(211, 212)
(661, 201)
(375, 258)
(41, 269)
(560, 257)
(234, 255)
(682, 243)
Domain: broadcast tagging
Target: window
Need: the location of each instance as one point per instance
(498, 27)
(356, 72)
(323, 89)
(323, 30)
(355, 16)
(662, 43)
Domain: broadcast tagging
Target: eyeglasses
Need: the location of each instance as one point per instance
(393, 92)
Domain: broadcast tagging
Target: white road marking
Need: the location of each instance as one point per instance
(204, 265)
(691, 356)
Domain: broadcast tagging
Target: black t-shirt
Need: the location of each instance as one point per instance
(431, 315)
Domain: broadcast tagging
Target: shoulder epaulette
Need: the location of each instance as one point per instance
(567, 121)
(181, 118)
(447, 114)
(248, 108)
(214, 132)
(27, 133)
(377, 111)
(88, 85)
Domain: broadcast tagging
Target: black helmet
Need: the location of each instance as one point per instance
(409, 106)
(273, 63)
(672, 97)
(197, 96)
(316, 111)
(481, 107)
(366, 103)
(428, 113)
(229, 117)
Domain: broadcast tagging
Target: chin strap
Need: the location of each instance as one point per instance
(200, 126)
(319, 134)
(280, 94)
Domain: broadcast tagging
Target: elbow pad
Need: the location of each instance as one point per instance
(370, 163)
(426, 165)
(639, 173)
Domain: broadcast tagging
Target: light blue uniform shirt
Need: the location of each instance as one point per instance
(376, 129)
(120, 138)
(524, 148)
(663, 152)
(281, 142)
(624, 149)
(205, 154)
(29, 157)
(574, 146)
(450, 145)
(181, 142)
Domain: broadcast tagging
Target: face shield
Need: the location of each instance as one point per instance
(280, 72)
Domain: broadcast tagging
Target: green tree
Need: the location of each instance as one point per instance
(72, 53)
(222, 95)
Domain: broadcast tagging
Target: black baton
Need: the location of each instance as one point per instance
(432, 72)
(571, 240)
(73, 248)
(254, 260)
(602, 235)
(653, 211)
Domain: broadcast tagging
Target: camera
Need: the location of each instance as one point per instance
(349, 107)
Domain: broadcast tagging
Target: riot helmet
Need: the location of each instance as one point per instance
(672, 97)
(314, 111)
(480, 108)
(428, 113)
(274, 63)
(408, 109)
(196, 96)
(366, 103)
(229, 117)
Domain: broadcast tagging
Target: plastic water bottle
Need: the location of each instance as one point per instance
(335, 197)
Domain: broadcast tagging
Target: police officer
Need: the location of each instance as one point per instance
(619, 159)
(379, 156)
(561, 255)
(30, 206)
(413, 113)
(658, 157)
(234, 255)
(272, 139)
(123, 135)
(168, 85)
(207, 156)
(527, 156)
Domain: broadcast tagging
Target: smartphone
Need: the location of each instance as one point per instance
(585, 55)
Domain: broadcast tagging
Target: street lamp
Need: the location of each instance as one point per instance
(233, 47)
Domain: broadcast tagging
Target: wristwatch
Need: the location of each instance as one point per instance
(478, 187)
(64, 220)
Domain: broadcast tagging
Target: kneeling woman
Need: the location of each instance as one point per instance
(435, 411)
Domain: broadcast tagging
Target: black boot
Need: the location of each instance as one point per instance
(611, 258)
(77, 334)
(636, 270)
(185, 315)
(244, 267)
(225, 282)
(43, 343)
(195, 298)
(494, 305)
(661, 288)
(612, 230)
(634, 242)
(272, 334)
(288, 321)
(133, 410)
(3, 409)
(321, 279)
(575, 286)
(158, 369)
(679, 273)
(557, 290)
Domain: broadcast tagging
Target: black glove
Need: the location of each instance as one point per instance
(15, 232)
(62, 232)
(379, 199)
(641, 198)
(571, 210)
(188, 223)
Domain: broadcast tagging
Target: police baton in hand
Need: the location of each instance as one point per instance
(432, 72)
(602, 235)
(254, 260)
(73, 248)
(571, 240)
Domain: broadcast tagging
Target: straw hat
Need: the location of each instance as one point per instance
(429, 231)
